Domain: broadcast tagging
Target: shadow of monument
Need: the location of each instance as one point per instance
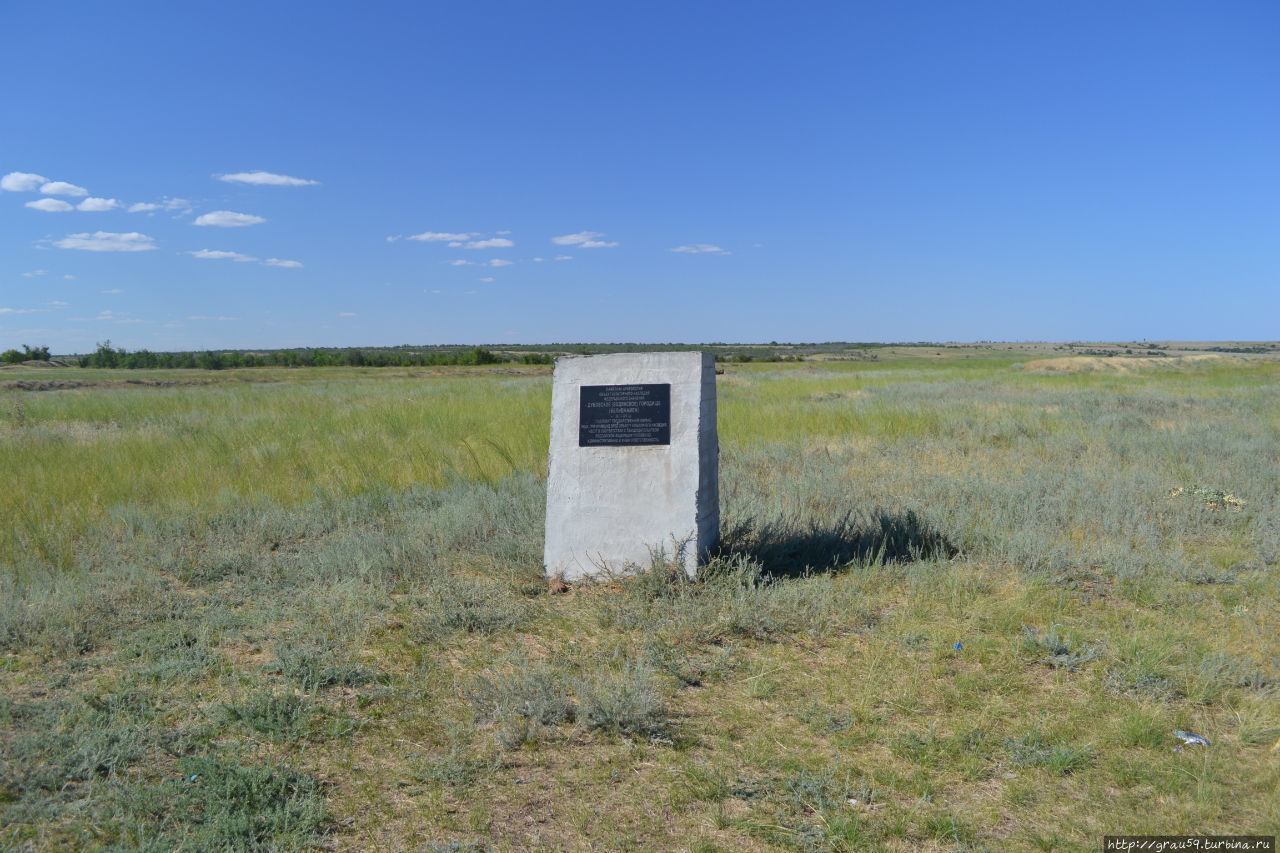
(796, 547)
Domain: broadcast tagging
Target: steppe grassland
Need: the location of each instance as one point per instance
(343, 651)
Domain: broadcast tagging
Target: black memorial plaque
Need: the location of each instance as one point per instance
(624, 415)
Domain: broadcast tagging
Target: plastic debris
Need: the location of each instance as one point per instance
(1190, 738)
(958, 646)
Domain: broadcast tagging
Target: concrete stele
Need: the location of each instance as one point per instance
(609, 508)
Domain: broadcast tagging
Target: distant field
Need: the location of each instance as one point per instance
(302, 609)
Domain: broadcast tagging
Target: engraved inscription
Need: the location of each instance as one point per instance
(624, 415)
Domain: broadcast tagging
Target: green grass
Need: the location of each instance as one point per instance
(304, 611)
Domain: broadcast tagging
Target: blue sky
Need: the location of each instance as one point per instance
(188, 176)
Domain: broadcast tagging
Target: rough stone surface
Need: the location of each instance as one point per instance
(610, 508)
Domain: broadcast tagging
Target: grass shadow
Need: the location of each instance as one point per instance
(793, 547)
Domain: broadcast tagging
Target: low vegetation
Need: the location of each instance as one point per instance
(958, 606)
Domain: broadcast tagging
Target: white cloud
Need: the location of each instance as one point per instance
(564, 257)
(492, 243)
(59, 304)
(206, 317)
(22, 182)
(63, 188)
(486, 278)
(430, 291)
(69, 276)
(473, 292)
(97, 205)
(276, 262)
(113, 290)
(584, 240)
(460, 263)
(18, 310)
(180, 204)
(701, 249)
(143, 207)
(395, 238)
(439, 237)
(538, 260)
(50, 205)
(498, 262)
(502, 233)
(35, 273)
(228, 219)
(107, 241)
(347, 314)
(266, 179)
(216, 255)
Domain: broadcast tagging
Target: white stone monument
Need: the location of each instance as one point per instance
(634, 462)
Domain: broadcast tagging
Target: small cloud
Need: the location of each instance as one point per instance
(491, 243)
(266, 179)
(143, 207)
(107, 241)
(487, 278)
(18, 310)
(498, 262)
(701, 249)
(112, 290)
(564, 257)
(430, 291)
(35, 273)
(474, 292)
(502, 233)
(69, 277)
(22, 182)
(228, 219)
(97, 205)
(63, 188)
(455, 244)
(584, 240)
(277, 262)
(439, 237)
(177, 204)
(347, 314)
(538, 260)
(59, 304)
(216, 255)
(460, 263)
(50, 205)
(206, 317)
(395, 238)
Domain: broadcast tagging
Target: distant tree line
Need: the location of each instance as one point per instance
(118, 357)
(13, 356)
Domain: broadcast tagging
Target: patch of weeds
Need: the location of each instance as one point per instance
(1140, 682)
(1215, 499)
(452, 604)
(623, 702)
(458, 766)
(313, 667)
(817, 790)
(690, 668)
(1228, 670)
(915, 642)
(1030, 750)
(1055, 649)
(948, 827)
(456, 847)
(704, 782)
(522, 703)
(169, 652)
(282, 717)
(232, 806)
(826, 720)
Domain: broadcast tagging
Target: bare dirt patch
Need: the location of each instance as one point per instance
(1122, 364)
